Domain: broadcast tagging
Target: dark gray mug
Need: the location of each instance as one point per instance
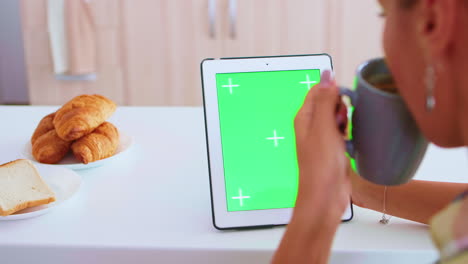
(386, 142)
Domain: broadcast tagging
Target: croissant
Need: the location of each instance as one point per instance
(82, 115)
(100, 144)
(50, 148)
(45, 125)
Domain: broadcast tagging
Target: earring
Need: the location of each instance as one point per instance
(430, 85)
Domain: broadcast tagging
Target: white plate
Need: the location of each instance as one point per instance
(70, 162)
(64, 182)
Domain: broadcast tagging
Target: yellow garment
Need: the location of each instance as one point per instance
(442, 232)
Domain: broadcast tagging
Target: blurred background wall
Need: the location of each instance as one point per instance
(13, 85)
(148, 51)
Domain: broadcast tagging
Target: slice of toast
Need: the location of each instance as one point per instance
(22, 187)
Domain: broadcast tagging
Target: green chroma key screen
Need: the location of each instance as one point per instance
(256, 113)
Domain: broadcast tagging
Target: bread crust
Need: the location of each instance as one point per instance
(81, 115)
(27, 204)
(100, 144)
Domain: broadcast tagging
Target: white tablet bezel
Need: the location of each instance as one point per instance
(222, 219)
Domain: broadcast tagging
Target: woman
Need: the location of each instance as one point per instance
(430, 70)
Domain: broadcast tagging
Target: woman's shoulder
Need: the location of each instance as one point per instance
(452, 250)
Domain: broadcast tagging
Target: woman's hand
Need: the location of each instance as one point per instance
(324, 186)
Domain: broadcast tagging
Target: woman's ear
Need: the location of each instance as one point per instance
(437, 25)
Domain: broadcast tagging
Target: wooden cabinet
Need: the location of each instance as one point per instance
(149, 51)
(42, 85)
(355, 33)
(269, 27)
(165, 42)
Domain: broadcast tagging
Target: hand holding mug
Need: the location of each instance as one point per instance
(324, 187)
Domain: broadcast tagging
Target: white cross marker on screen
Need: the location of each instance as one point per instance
(275, 138)
(230, 85)
(241, 198)
(308, 82)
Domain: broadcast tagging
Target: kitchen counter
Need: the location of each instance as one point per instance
(152, 203)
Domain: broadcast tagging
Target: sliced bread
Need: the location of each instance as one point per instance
(22, 187)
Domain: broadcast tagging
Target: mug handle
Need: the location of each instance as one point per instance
(353, 97)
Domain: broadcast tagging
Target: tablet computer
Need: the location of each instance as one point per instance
(250, 105)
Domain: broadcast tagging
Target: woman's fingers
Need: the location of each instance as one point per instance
(320, 105)
(320, 147)
(320, 93)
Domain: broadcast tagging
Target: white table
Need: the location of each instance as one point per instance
(153, 205)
